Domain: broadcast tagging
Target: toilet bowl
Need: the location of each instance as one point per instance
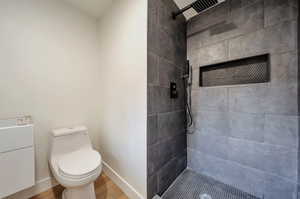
(74, 163)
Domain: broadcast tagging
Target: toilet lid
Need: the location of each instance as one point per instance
(79, 163)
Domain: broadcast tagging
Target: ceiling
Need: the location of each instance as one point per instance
(94, 8)
(182, 3)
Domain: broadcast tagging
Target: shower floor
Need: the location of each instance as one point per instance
(191, 185)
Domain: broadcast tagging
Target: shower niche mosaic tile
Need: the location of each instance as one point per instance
(242, 71)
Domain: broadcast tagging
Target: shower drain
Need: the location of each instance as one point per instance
(205, 196)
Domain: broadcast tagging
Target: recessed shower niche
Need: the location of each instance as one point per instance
(242, 71)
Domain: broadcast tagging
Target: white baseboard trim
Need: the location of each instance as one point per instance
(129, 190)
(39, 187)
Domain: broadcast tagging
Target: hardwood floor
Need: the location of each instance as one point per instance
(104, 188)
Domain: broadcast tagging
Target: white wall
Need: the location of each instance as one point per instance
(123, 43)
(49, 68)
(65, 68)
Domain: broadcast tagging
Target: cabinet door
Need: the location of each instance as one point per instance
(16, 138)
(16, 171)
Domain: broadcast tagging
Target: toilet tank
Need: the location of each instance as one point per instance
(66, 140)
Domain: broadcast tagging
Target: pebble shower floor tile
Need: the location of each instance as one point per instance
(191, 185)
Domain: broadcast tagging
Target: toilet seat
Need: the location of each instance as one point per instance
(79, 164)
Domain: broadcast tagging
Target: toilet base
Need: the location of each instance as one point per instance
(86, 192)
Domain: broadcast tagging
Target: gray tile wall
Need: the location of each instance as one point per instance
(247, 135)
(166, 117)
(298, 101)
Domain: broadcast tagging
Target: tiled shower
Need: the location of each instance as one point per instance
(166, 135)
(245, 135)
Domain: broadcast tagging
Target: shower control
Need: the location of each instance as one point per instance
(173, 90)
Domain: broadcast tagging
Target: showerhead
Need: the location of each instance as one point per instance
(199, 6)
(187, 71)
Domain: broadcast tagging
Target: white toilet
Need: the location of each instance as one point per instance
(74, 163)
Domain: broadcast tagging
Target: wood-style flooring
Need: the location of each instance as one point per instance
(104, 188)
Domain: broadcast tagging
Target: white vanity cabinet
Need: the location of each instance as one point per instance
(16, 157)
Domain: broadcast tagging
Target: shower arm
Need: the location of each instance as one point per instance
(175, 14)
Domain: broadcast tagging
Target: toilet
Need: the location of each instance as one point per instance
(74, 163)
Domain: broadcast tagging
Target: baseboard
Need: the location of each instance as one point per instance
(39, 187)
(121, 182)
